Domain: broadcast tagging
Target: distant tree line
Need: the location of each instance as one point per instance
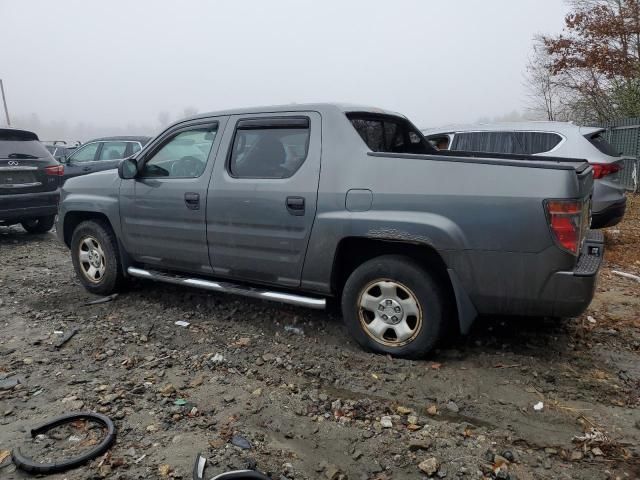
(591, 71)
(83, 131)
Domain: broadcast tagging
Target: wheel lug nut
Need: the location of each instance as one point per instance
(380, 307)
(394, 318)
(388, 302)
(385, 317)
(397, 309)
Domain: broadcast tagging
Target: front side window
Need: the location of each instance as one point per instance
(389, 134)
(184, 155)
(113, 151)
(86, 153)
(269, 148)
(135, 147)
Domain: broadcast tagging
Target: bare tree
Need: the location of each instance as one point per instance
(544, 92)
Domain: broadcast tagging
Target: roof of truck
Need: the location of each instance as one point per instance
(297, 107)
(529, 126)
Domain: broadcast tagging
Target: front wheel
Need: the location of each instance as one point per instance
(95, 256)
(392, 306)
(39, 224)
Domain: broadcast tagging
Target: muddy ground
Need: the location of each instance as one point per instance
(307, 402)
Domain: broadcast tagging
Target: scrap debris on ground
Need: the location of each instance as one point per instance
(285, 390)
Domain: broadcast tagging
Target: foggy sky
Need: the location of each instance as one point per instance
(121, 63)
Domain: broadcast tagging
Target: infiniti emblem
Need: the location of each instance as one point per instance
(13, 163)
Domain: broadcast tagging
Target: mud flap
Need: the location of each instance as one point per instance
(467, 313)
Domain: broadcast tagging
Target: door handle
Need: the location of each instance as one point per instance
(295, 205)
(192, 200)
(86, 169)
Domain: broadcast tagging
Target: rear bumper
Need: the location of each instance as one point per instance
(568, 294)
(547, 283)
(609, 216)
(28, 205)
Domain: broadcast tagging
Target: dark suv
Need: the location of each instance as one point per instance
(30, 180)
(101, 154)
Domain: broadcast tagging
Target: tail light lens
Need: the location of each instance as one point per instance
(601, 170)
(566, 219)
(57, 170)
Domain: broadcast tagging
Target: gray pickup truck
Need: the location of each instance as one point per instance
(305, 203)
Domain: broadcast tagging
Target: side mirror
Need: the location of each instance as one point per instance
(128, 168)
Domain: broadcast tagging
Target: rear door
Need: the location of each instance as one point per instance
(262, 199)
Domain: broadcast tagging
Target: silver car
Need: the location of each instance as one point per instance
(550, 139)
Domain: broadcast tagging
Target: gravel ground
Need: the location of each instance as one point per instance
(253, 384)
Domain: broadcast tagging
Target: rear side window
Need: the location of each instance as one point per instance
(537, 142)
(113, 150)
(389, 134)
(601, 143)
(489, 142)
(269, 147)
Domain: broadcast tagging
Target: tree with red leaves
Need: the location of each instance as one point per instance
(594, 64)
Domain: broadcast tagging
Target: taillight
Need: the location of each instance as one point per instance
(565, 220)
(601, 170)
(55, 170)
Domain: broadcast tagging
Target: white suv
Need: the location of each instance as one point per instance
(551, 139)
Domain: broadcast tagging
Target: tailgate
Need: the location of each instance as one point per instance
(23, 163)
(26, 176)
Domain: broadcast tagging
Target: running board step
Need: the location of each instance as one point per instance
(292, 299)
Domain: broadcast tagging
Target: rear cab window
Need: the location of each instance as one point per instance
(389, 134)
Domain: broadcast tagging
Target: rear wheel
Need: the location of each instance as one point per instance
(39, 224)
(391, 305)
(95, 256)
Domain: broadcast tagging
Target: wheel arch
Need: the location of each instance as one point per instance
(353, 251)
(75, 217)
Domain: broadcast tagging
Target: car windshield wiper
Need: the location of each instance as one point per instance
(23, 156)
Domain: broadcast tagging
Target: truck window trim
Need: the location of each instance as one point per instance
(301, 122)
(167, 137)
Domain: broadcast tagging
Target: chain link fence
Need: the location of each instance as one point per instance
(624, 135)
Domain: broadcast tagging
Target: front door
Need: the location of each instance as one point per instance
(82, 161)
(262, 198)
(163, 208)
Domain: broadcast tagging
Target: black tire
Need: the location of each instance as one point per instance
(99, 231)
(406, 278)
(39, 224)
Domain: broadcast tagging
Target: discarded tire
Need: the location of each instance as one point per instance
(29, 465)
